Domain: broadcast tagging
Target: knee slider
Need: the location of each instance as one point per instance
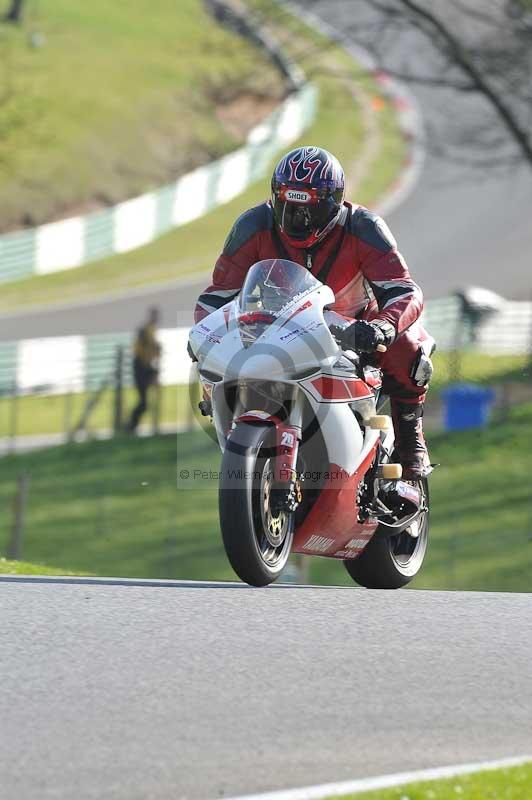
(422, 369)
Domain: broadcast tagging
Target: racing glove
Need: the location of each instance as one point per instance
(367, 336)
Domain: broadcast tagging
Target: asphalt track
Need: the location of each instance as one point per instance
(457, 227)
(155, 690)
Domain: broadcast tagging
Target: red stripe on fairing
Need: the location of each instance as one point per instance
(256, 316)
(331, 388)
(374, 382)
(358, 388)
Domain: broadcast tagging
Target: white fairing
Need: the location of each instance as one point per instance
(342, 434)
(216, 340)
(287, 347)
(296, 349)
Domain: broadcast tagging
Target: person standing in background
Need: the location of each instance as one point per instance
(146, 362)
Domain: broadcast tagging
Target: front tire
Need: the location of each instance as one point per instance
(256, 539)
(390, 562)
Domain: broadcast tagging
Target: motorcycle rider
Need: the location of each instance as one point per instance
(348, 247)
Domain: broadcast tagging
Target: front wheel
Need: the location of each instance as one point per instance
(257, 537)
(390, 562)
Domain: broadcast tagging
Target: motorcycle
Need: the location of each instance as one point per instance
(308, 458)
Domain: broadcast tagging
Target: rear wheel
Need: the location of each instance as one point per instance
(257, 535)
(391, 561)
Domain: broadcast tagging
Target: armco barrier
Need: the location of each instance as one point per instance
(75, 363)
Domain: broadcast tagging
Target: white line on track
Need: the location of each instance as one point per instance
(385, 781)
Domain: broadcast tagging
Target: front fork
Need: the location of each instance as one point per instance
(288, 436)
(286, 494)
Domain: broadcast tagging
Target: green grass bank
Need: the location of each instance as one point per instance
(102, 101)
(346, 93)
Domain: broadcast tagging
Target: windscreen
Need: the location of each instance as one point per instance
(271, 284)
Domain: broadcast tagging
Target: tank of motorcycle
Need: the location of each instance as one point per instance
(298, 340)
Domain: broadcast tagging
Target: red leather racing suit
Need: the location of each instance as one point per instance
(358, 259)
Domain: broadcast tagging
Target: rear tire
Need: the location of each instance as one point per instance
(390, 562)
(257, 541)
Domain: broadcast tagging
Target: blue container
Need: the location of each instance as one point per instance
(466, 406)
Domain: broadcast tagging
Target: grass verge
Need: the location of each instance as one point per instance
(193, 248)
(479, 368)
(513, 783)
(112, 508)
(101, 101)
(8, 567)
(42, 414)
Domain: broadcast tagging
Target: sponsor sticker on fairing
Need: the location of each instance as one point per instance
(310, 328)
(356, 544)
(210, 335)
(319, 544)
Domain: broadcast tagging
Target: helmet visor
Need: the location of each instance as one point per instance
(302, 212)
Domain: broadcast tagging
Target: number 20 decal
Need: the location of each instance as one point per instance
(287, 439)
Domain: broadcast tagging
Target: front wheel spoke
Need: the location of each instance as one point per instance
(267, 550)
(263, 544)
(269, 555)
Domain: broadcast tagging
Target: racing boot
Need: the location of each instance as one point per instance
(409, 440)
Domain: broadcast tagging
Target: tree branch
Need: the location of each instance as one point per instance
(462, 59)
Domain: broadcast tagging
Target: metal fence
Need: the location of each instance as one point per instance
(506, 327)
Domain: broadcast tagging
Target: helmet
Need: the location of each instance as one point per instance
(308, 188)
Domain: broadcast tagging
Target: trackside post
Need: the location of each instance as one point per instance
(14, 551)
(119, 380)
